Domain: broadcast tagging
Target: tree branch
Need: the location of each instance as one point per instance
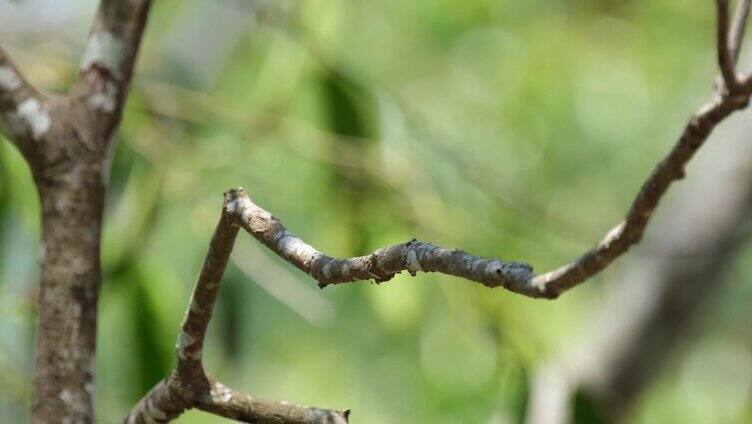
(382, 264)
(726, 58)
(189, 386)
(649, 312)
(23, 116)
(109, 58)
(738, 26)
(229, 403)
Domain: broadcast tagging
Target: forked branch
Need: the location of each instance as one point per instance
(189, 386)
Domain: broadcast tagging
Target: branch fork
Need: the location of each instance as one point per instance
(189, 386)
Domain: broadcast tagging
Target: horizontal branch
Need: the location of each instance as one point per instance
(228, 403)
(189, 386)
(382, 264)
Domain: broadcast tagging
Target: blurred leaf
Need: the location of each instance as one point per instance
(584, 410)
(348, 108)
(155, 352)
(131, 222)
(231, 305)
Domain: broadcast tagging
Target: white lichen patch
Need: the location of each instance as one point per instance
(242, 205)
(66, 396)
(612, 235)
(220, 393)
(412, 262)
(327, 270)
(296, 248)
(153, 414)
(493, 267)
(476, 263)
(315, 415)
(106, 50)
(280, 239)
(540, 283)
(35, 116)
(106, 101)
(184, 340)
(9, 79)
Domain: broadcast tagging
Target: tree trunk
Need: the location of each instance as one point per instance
(72, 203)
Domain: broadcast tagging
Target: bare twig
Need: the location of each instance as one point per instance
(189, 386)
(656, 301)
(726, 59)
(229, 403)
(380, 265)
(738, 26)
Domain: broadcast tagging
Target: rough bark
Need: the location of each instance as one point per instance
(72, 204)
(67, 140)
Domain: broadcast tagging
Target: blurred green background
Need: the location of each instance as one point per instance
(518, 129)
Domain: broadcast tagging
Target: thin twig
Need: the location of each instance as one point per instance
(656, 300)
(726, 61)
(738, 26)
